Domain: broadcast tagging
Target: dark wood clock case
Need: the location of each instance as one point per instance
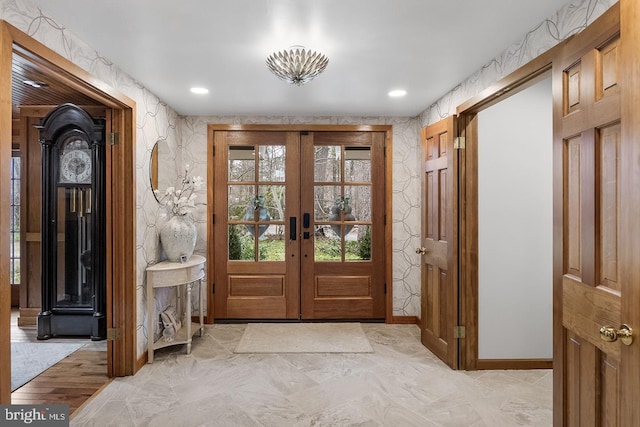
(73, 226)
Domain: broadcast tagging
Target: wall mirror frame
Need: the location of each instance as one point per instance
(161, 165)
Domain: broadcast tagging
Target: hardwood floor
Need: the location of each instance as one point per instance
(73, 380)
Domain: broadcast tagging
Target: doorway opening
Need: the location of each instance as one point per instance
(68, 78)
(515, 228)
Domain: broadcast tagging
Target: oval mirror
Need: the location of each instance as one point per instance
(160, 168)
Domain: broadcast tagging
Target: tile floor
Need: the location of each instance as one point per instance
(400, 384)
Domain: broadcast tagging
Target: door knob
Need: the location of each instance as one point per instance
(422, 251)
(611, 334)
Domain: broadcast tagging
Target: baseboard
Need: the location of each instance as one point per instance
(28, 316)
(142, 360)
(405, 320)
(515, 364)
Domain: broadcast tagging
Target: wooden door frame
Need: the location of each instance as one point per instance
(121, 269)
(521, 79)
(524, 77)
(387, 129)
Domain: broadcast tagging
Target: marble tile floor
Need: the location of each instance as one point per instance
(400, 384)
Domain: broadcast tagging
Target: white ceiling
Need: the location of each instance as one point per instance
(423, 46)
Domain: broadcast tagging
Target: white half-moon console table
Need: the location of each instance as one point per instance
(182, 276)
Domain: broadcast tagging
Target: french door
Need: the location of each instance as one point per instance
(298, 225)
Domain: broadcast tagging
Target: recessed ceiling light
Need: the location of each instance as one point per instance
(397, 93)
(35, 83)
(199, 90)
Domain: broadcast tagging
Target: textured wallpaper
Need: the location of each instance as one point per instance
(155, 120)
(571, 19)
(187, 136)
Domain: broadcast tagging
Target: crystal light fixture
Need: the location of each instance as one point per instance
(296, 65)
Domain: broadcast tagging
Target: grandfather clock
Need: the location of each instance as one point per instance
(73, 225)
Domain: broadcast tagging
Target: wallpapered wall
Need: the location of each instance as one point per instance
(405, 199)
(572, 18)
(187, 136)
(155, 120)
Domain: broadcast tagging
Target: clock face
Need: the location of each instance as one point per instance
(75, 167)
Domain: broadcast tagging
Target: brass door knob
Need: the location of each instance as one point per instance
(421, 251)
(611, 334)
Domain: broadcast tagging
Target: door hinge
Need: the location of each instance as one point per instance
(385, 288)
(213, 288)
(385, 219)
(113, 138)
(113, 334)
(459, 332)
(214, 151)
(459, 143)
(213, 218)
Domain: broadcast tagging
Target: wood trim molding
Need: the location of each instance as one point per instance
(468, 238)
(514, 364)
(141, 361)
(65, 71)
(388, 228)
(405, 320)
(28, 316)
(301, 127)
(121, 276)
(43, 110)
(5, 158)
(209, 297)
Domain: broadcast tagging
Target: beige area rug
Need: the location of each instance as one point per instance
(304, 338)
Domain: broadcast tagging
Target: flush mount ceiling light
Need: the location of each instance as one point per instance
(35, 83)
(297, 65)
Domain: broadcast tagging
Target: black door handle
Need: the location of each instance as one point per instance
(306, 220)
(293, 228)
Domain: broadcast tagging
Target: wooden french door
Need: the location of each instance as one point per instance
(256, 209)
(439, 250)
(299, 225)
(343, 225)
(597, 279)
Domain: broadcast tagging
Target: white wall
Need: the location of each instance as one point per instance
(516, 226)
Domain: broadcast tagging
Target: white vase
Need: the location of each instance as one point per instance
(178, 238)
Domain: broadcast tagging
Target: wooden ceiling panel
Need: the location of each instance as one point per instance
(52, 93)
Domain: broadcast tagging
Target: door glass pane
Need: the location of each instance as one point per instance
(74, 251)
(327, 163)
(357, 164)
(241, 243)
(358, 243)
(272, 163)
(358, 201)
(241, 202)
(327, 244)
(272, 203)
(326, 202)
(242, 163)
(271, 244)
